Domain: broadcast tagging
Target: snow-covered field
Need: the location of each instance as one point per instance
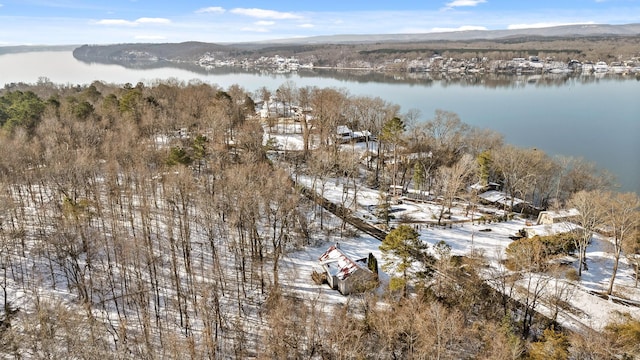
(486, 239)
(464, 238)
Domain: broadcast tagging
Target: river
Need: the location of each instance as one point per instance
(597, 118)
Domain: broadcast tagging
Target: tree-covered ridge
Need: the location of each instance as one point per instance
(372, 54)
(186, 51)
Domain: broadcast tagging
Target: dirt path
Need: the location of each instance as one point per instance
(343, 213)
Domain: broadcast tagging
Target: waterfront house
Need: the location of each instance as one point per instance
(501, 199)
(554, 217)
(343, 134)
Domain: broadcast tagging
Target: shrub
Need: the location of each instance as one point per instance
(535, 252)
(559, 244)
(525, 254)
(572, 274)
(625, 331)
(553, 345)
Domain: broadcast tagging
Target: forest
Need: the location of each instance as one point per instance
(151, 221)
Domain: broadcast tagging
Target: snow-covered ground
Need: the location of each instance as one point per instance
(488, 239)
(592, 310)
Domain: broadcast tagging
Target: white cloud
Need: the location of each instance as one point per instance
(306, 26)
(461, 28)
(265, 14)
(264, 23)
(145, 20)
(544, 25)
(461, 3)
(122, 22)
(211, 10)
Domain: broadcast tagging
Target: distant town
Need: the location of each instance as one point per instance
(513, 53)
(438, 63)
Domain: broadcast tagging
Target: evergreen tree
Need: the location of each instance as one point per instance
(19, 108)
(178, 155)
(391, 134)
(372, 263)
(484, 162)
(384, 209)
(419, 177)
(401, 248)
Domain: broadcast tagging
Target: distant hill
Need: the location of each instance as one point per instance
(31, 48)
(586, 30)
(588, 41)
(186, 51)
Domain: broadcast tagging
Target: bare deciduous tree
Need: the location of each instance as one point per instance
(590, 218)
(452, 179)
(621, 217)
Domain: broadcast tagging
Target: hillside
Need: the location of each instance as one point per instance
(568, 31)
(187, 51)
(582, 42)
(32, 48)
(168, 221)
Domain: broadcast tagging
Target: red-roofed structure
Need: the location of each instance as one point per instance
(345, 274)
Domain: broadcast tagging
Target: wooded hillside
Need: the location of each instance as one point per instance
(149, 222)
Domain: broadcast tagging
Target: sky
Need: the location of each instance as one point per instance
(62, 22)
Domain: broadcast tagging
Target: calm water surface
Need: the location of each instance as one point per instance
(594, 118)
